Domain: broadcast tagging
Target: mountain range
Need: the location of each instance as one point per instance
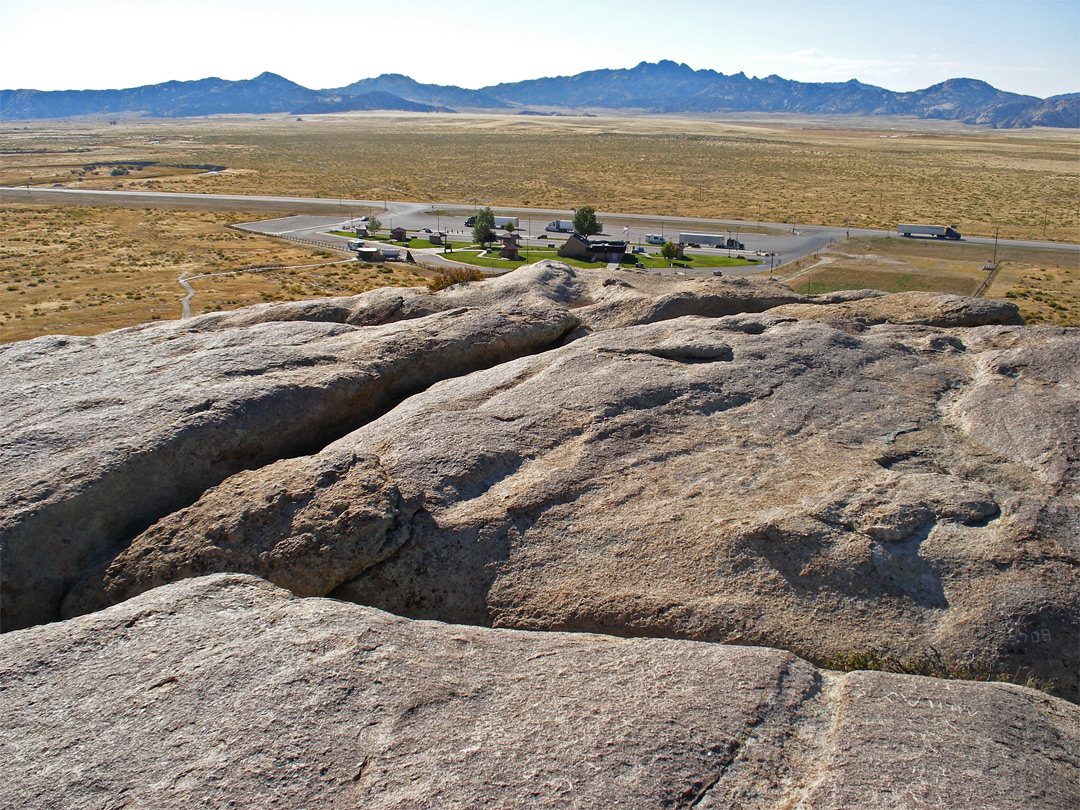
(660, 87)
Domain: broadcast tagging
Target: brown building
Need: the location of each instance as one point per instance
(399, 235)
(509, 251)
(577, 247)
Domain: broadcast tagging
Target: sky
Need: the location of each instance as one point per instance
(1022, 46)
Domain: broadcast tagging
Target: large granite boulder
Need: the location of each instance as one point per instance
(859, 309)
(225, 691)
(750, 479)
(600, 299)
(101, 436)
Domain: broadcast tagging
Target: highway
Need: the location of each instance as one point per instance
(787, 243)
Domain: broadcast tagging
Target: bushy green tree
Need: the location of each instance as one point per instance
(484, 226)
(585, 223)
(374, 224)
(669, 251)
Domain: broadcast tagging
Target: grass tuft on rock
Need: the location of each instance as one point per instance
(449, 276)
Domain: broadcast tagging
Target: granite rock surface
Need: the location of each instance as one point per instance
(226, 691)
(747, 479)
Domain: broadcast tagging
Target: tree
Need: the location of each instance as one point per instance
(374, 225)
(585, 223)
(669, 251)
(510, 227)
(483, 227)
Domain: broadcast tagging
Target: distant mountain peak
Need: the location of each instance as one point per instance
(665, 86)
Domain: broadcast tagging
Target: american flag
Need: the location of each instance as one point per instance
(626, 230)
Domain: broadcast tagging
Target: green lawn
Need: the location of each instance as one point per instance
(648, 261)
(468, 253)
(414, 243)
(352, 235)
(659, 262)
(493, 262)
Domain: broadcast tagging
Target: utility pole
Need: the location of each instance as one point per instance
(995, 245)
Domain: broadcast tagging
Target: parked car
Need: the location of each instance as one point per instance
(470, 222)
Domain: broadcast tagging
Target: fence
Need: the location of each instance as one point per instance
(992, 271)
(328, 245)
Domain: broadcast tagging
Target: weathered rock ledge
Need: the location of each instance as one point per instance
(750, 479)
(685, 460)
(226, 691)
(808, 478)
(104, 435)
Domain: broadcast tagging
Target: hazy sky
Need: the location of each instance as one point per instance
(1024, 46)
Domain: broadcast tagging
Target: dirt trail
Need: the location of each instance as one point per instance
(184, 281)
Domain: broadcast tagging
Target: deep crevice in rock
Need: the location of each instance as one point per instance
(88, 529)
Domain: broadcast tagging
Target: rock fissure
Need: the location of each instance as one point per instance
(830, 479)
(48, 543)
(776, 494)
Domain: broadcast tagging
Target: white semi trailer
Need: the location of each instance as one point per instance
(937, 231)
(560, 226)
(713, 239)
(500, 222)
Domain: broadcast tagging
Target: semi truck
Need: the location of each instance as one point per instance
(500, 222)
(937, 231)
(711, 239)
(560, 226)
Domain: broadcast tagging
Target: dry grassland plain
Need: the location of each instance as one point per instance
(1045, 284)
(1023, 183)
(80, 270)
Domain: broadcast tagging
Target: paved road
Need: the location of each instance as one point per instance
(786, 243)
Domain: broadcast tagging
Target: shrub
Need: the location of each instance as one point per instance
(931, 664)
(449, 276)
